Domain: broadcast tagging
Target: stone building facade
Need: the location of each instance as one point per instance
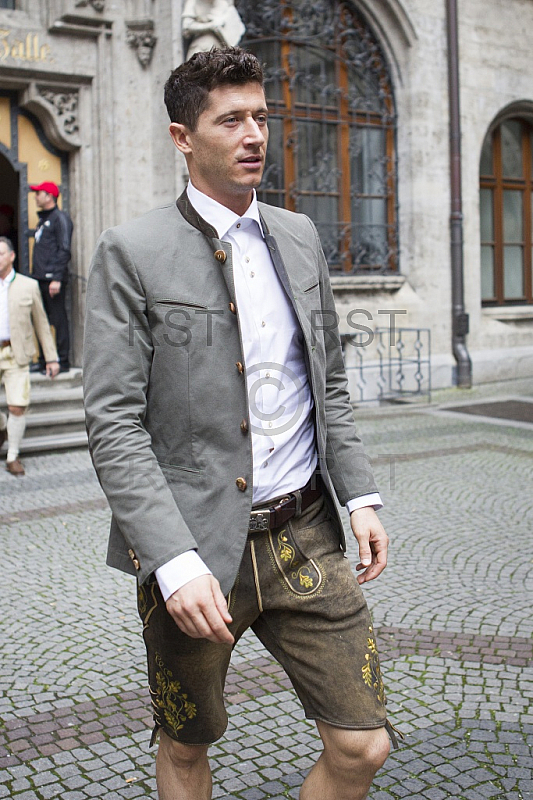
(360, 139)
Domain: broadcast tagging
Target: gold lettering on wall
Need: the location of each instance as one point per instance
(28, 49)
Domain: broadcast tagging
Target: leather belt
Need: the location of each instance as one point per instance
(5, 342)
(264, 519)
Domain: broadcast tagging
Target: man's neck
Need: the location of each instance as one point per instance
(7, 275)
(218, 216)
(238, 204)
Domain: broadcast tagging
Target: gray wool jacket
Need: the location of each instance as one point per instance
(165, 399)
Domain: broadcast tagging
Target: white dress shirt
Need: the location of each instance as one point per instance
(280, 399)
(5, 330)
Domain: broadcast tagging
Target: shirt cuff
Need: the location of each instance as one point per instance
(365, 500)
(179, 571)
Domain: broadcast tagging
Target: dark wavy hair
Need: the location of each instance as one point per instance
(187, 89)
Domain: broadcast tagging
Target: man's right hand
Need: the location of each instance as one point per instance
(54, 288)
(199, 609)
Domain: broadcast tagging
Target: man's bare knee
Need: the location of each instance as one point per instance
(182, 756)
(17, 411)
(350, 750)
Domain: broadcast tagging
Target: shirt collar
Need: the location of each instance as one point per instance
(217, 215)
(8, 278)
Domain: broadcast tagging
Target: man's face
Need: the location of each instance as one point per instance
(42, 199)
(226, 152)
(7, 258)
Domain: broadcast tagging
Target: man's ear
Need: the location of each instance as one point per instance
(180, 135)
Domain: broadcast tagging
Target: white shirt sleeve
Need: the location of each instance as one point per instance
(179, 571)
(365, 500)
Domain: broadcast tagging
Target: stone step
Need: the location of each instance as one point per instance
(50, 443)
(52, 400)
(51, 423)
(40, 382)
(55, 419)
(47, 444)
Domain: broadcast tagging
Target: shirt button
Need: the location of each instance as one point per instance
(263, 323)
(239, 367)
(241, 484)
(220, 255)
(269, 424)
(247, 259)
(268, 375)
(265, 464)
(238, 225)
(252, 274)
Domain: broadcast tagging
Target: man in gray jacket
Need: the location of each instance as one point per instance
(221, 428)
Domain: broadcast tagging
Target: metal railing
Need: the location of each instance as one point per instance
(388, 364)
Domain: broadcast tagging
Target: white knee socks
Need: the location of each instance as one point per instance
(15, 433)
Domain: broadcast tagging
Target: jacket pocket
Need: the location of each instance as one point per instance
(177, 303)
(170, 468)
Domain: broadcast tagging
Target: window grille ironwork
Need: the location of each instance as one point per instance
(332, 127)
(506, 211)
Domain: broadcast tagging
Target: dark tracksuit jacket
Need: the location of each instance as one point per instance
(51, 255)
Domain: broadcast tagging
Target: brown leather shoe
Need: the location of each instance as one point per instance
(3, 435)
(15, 467)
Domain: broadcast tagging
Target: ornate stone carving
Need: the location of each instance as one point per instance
(98, 5)
(66, 108)
(210, 23)
(57, 109)
(140, 35)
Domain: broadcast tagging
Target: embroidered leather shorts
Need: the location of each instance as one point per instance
(297, 592)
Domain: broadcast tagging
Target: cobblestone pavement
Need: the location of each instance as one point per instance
(452, 613)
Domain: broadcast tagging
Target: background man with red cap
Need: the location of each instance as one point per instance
(51, 257)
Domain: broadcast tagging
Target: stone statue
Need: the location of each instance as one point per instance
(210, 23)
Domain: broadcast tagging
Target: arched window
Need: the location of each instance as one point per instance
(332, 126)
(506, 186)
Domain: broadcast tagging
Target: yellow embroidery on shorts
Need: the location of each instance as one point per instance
(303, 579)
(169, 701)
(372, 670)
(288, 553)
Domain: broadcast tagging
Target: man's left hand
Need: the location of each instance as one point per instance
(54, 288)
(52, 368)
(373, 543)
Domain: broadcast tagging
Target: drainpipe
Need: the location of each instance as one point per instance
(459, 316)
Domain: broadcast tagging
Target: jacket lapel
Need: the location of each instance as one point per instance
(277, 260)
(222, 252)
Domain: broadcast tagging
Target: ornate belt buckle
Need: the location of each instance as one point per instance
(259, 521)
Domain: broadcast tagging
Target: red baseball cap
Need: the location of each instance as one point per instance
(47, 186)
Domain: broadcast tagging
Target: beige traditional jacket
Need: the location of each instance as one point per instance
(26, 314)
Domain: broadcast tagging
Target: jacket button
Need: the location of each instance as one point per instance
(220, 255)
(244, 426)
(241, 484)
(136, 562)
(239, 367)
(232, 308)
